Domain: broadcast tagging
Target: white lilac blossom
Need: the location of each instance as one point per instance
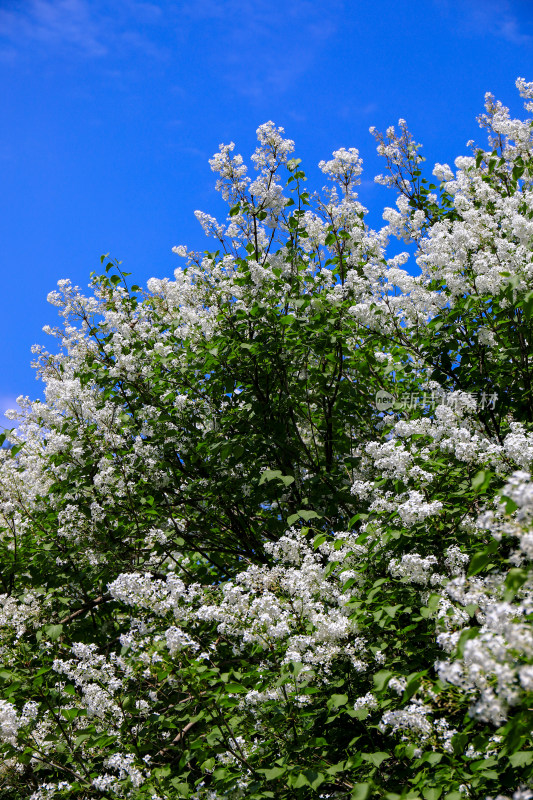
(494, 668)
(413, 717)
(368, 702)
(413, 568)
(211, 537)
(9, 722)
(19, 615)
(267, 606)
(415, 509)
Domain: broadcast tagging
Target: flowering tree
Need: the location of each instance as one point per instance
(269, 533)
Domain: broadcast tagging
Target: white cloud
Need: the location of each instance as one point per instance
(500, 18)
(53, 23)
(257, 49)
(264, 48)
(78, 27)
(510, 30)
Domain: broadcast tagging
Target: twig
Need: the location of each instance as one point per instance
(103, 598)
(181, 735)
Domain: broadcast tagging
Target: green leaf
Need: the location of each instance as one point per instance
(481, 481)
(276, 474)
(521, 759)
(292, 163)
(432, 758)
(275, 772)
(337, 700)
(481, 560)
(314, 779)
(459, 742)
(518, 171)
(298, 781)
(516, 578)
(382, 678)
(470, 633)
(305, 515)
(413, 684)
(235, 687)
(288, 319)
(70, 713)
(183, 788)
(53, 631)
(334, 768)
(377, 758)
(81, 738)
(527, 305)
(360, 791)
(391, 611)
(295, 667)
(510, 505)
(432, 793)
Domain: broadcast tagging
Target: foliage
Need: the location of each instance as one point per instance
(269, 534)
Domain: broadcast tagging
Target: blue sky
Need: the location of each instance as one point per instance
(111, 110)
